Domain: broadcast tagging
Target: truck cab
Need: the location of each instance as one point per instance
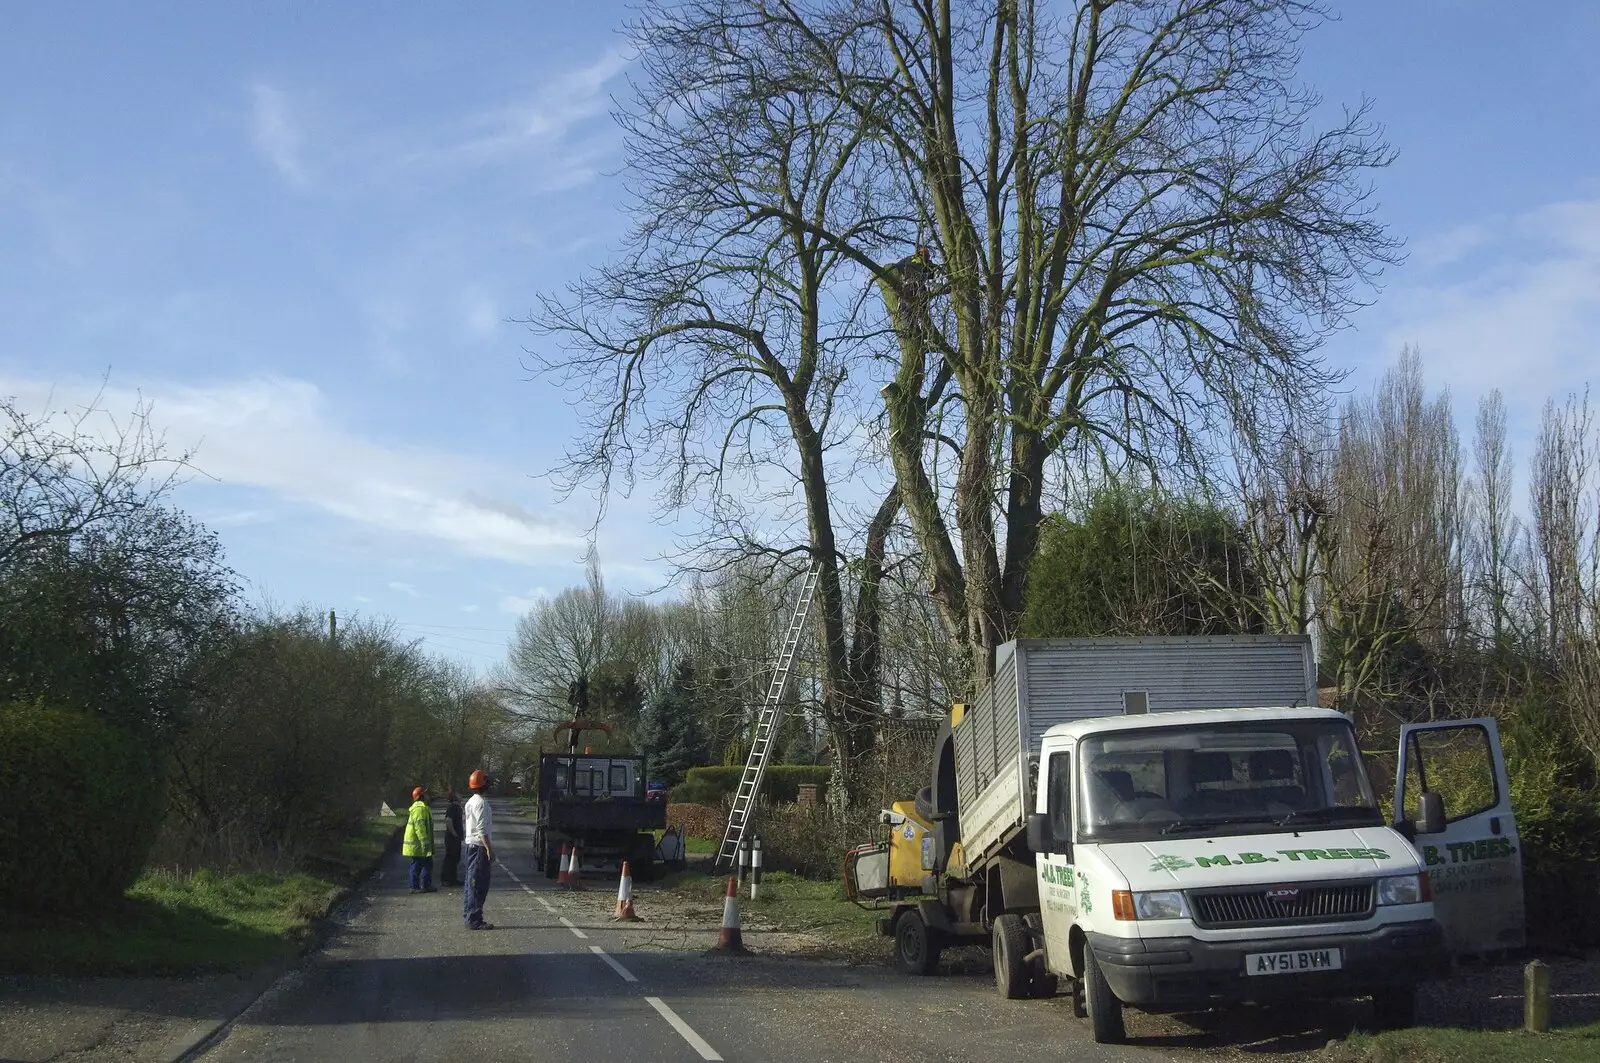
(1201, 857)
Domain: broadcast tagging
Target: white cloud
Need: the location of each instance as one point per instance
(404, 588)
(518, 604)
(278, 435)
(276, 134)
(1520, 312)
(546, 117)
(545, 127)
(1452, 245)
(469, 609)
(234, 518)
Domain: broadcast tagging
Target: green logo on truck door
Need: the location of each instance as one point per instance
(1466, 852)
(1056, 874)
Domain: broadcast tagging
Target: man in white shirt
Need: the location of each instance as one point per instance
(477, 827)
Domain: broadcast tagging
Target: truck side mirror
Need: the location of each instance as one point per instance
(1430, 813)
(1040, 839)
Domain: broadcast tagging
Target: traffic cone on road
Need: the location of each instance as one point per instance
(564, 876)
(730, 942)
(575, 878)
(625, 897)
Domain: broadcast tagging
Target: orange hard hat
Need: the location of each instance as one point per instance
(478, 780)
(416, 794)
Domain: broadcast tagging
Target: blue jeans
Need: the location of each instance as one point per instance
(421, 872)
(476, 885)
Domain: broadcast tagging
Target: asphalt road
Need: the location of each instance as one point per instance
(404, 980)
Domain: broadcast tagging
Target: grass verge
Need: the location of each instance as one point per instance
(789, 904)
(694, 846)
(170, 924)
(1429, 1045)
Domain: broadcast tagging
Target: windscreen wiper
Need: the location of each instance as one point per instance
(1322, 814)
(1210, 821)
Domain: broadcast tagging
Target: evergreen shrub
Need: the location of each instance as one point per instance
(83, 802)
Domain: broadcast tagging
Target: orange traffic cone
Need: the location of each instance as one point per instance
(625, 897)
(729, 941)
(564, 877)
(575, 879)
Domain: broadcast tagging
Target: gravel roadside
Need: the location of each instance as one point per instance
(680, 918)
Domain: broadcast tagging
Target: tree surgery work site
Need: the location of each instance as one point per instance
(793, 529)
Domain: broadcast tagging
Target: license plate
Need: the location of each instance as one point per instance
(1299, 961)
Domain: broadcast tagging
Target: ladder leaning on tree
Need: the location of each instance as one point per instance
(755, 765)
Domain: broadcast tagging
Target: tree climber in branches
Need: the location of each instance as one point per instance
(910, 279)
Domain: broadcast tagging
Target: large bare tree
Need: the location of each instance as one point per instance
(715, 357)
(1028, 228)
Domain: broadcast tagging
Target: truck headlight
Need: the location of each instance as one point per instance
(1404, 889)
(1160, 904)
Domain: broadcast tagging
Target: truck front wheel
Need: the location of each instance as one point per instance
(915, 947)
(1105, 1010)
(1012, 974)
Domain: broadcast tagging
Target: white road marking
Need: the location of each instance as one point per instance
(685, 1031)
(547, 905)
(627, 975)
(568, 924)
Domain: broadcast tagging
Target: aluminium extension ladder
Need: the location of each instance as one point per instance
(755, 765)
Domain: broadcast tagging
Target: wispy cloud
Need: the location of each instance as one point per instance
(276, 134)
(1517, 309)
(518, 604)
(234, 518)
(404, 588)
(547, 127)
(547, 116)
(279, 435)
(1452, 245)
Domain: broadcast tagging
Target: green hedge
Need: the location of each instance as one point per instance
(82, 801)
(708, 786)
(1557, 808)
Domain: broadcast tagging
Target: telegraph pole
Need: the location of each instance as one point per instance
(333, 628)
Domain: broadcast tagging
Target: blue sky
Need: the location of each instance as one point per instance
(298, 232)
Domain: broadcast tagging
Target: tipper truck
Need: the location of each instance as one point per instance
(597, 803)
(1172, 822)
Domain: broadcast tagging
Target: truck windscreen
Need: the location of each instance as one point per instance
(1245, 777)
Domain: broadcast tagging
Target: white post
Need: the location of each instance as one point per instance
(755, 866)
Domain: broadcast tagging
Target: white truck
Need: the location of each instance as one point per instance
(1171, 823)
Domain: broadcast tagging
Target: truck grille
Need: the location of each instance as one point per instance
(1275, 905)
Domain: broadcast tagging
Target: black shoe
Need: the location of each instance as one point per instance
(415, 890)
(430, 889)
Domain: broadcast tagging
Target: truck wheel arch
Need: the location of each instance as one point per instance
(933, 914)
(1077, 943)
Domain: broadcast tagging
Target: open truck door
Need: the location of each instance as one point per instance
(1452, 799)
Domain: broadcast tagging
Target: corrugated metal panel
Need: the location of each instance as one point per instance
(1071, 679)
(1039, 683)
(988, 737)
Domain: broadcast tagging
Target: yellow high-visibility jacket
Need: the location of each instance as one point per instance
(419, 831)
